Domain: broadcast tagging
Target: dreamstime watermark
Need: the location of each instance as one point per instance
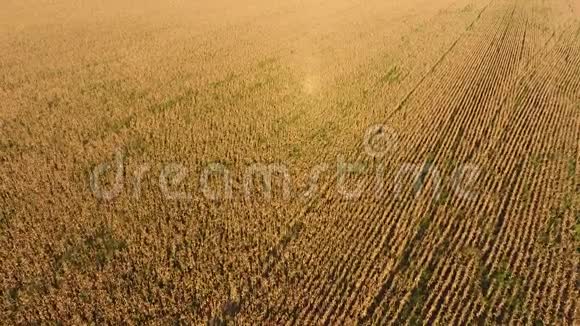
(267, 181)
(380, 140)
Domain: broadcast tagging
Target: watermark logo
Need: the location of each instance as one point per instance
(380, 140)
(349, 180)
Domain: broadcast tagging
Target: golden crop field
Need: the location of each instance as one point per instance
(297, 162)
